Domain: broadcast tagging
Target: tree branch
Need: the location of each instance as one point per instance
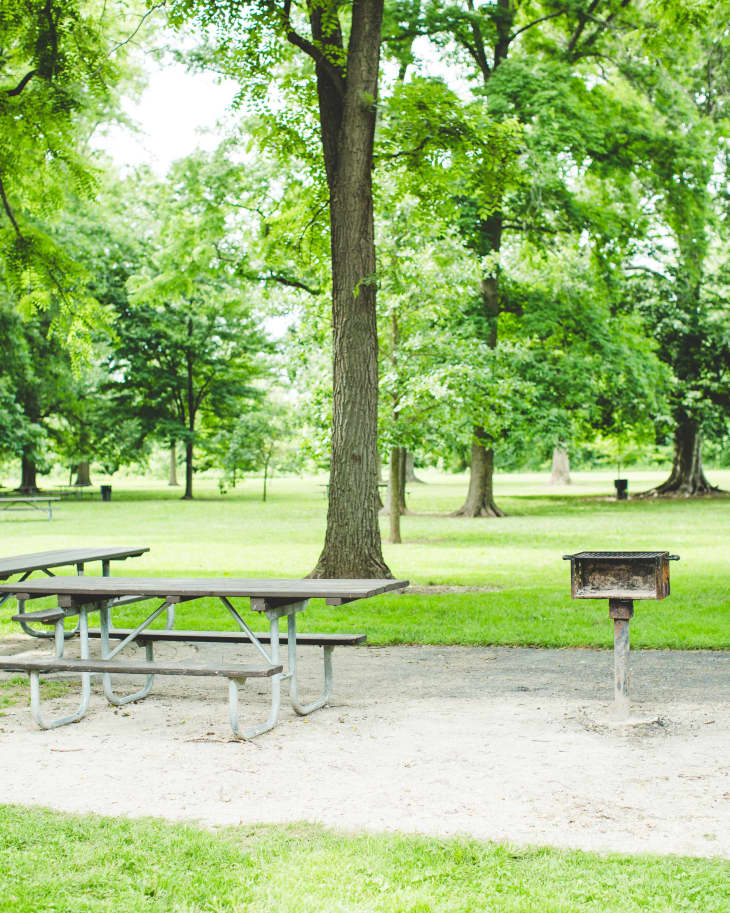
(141, 22)
(287, 281)
(318, 57)
(582, 22)
(8, 210)
(537, 22)
(22, 84)
(477, 49)
(648, 269)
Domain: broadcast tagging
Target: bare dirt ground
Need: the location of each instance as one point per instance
(506, 744)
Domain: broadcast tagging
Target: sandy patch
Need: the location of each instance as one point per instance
(507, 744)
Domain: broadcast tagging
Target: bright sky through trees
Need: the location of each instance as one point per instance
(176, 113)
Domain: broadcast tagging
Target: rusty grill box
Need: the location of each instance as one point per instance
(620, 575)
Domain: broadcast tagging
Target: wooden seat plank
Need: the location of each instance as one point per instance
(233, 637)
(45, 616)
(54, 664)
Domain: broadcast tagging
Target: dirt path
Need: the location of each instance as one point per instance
(507, 744)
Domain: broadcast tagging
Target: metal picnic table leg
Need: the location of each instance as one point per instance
(107, 653)
(304, 709)
(35, 689)
(233, 685)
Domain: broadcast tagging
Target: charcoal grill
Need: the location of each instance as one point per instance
(620, 577)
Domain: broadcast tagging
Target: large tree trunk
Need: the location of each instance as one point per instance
(83, 476)
(560, 469)
(352, 546)
(173, 466)
(687, 477)
(480, 497)
(28, 482)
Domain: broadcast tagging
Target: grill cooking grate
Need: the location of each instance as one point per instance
(619, 556)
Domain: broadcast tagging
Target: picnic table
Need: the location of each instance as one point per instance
(30, 502)
(25, 565)
(275, 599)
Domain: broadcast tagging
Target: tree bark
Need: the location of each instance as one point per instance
(410, 472)
(83, 477)
(560, 469)
(396, 465)
(188, 471)
(173, 482)
(352, 546)
(28, 482)
(480, 497)
(687, 476)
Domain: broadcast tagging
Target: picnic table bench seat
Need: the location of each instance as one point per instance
(34, 666)
(64, 664)
(234, 637)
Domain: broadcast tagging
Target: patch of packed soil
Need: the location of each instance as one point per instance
(450, 588)
(506, 744)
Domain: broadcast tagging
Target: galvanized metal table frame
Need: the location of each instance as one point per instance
(274, 599)
(272, 656)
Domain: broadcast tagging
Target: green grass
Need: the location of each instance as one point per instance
(520, 556)
(15, 691)
(68, 864)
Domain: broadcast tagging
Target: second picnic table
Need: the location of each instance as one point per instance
(276, 599)
(47, 562)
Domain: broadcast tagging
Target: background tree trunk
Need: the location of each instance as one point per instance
(173, 466)
(83, 477)
(396, 466)
(560, 469)
(687, 476)
(28, 483)
(480, 497)
(352, 546)
(410, 472)
(188, 471)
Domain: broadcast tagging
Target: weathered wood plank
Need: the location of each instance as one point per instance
(53, 664)
(45, 616)
(90, 588)
(38, 561)
(234, 637)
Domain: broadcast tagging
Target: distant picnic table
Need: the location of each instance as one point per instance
(29, 502)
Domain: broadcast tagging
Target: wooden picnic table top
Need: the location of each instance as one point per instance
(193, 588)
(25, 498)
(38, 561)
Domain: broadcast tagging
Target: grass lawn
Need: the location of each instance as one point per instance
(520, 556)
(55, 862)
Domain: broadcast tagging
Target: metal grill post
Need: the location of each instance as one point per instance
(621, 610)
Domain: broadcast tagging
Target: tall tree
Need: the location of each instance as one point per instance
(533, 61)
(343, 42)
(187, 341)
(61, 65)
(683, 164)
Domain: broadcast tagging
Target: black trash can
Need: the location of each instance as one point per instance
(622, 489)
(106, 492)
